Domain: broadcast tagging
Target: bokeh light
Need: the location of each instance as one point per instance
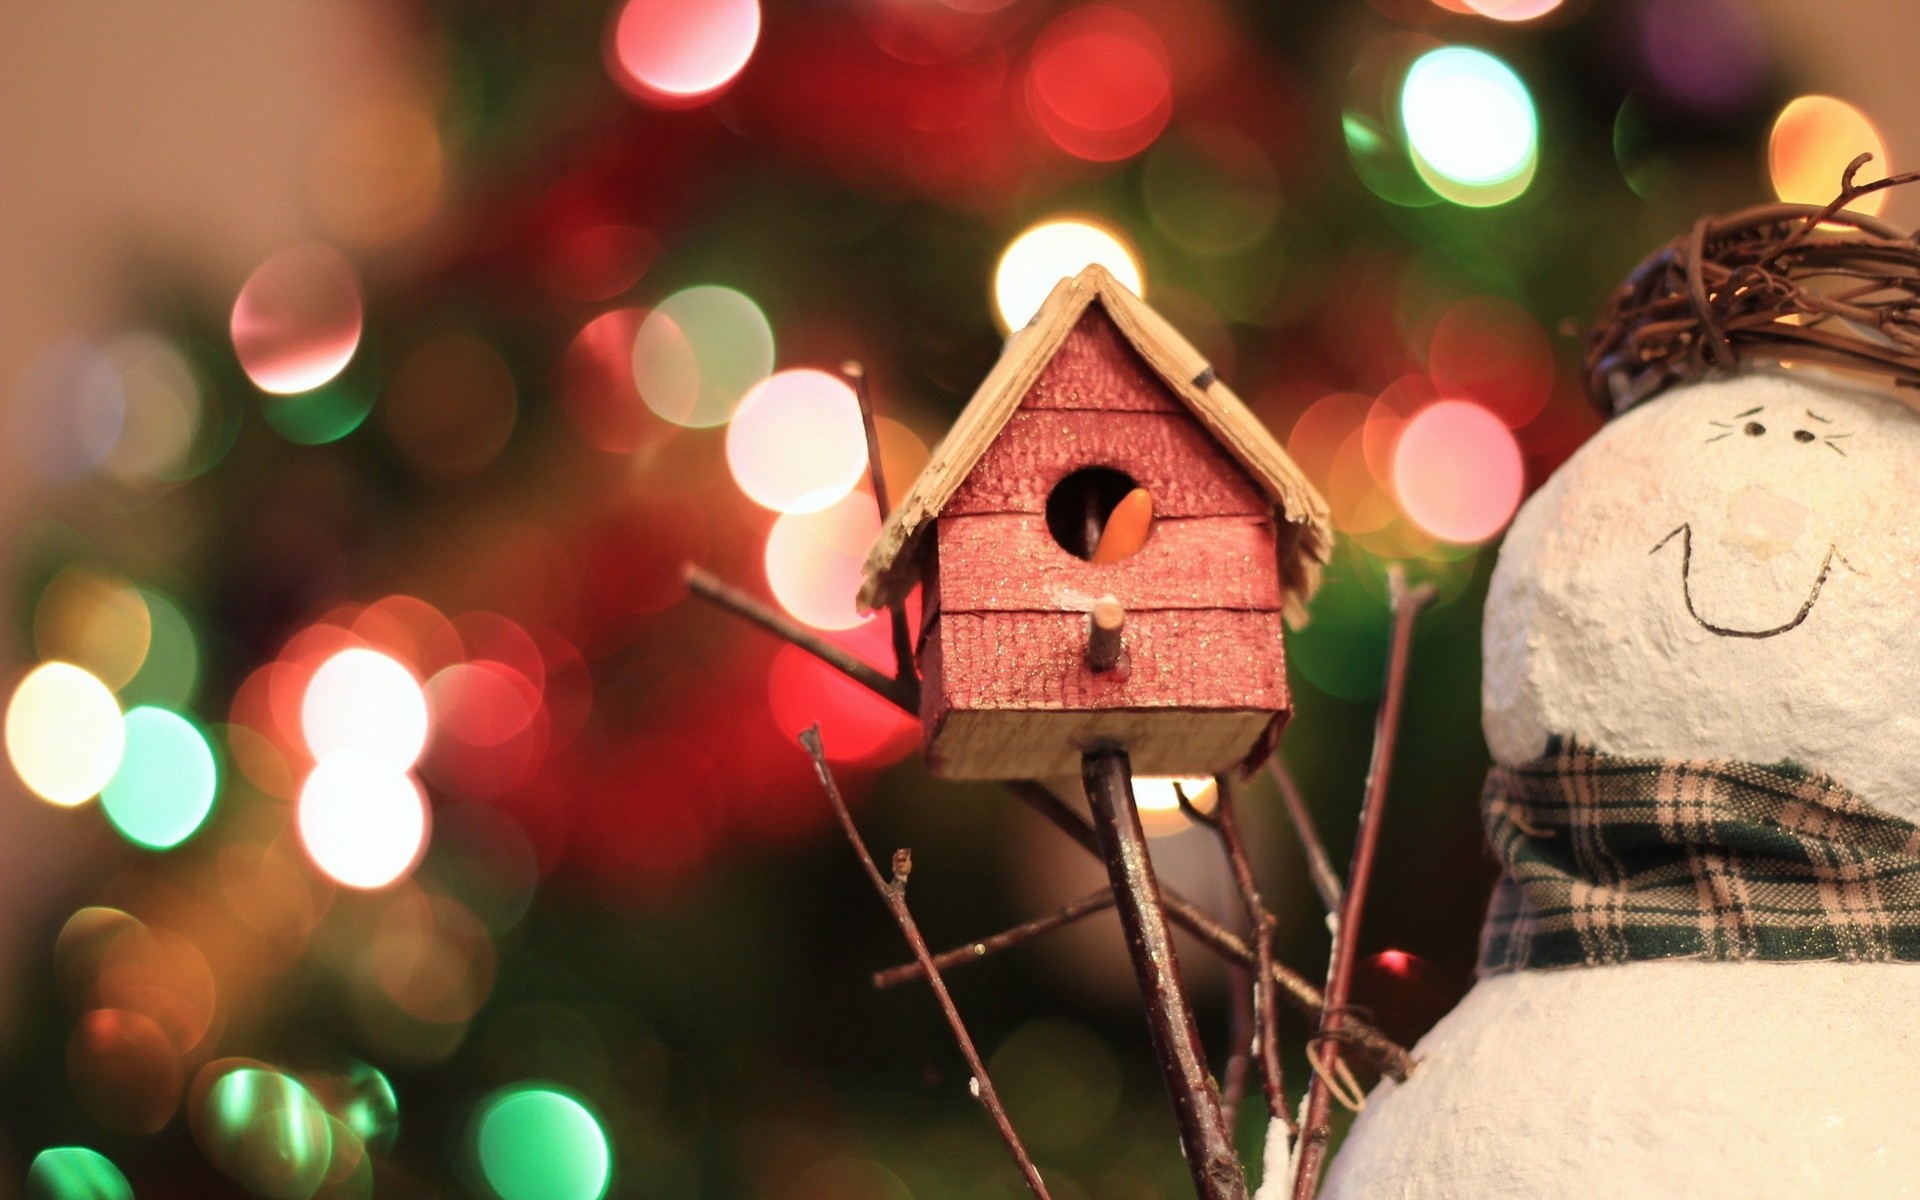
(797, 443)
(75, 1173)
(1159, 803)
(124, 1070)
(159, 974)
(814, 560)
(903, 455)
(364, 702)
(1491, 351)
(95, 620)
(1709, 55)
(65, 735)
(325, 414)
(699, 352)
(297, 320)
(537, 1143)
(166, 782)
(1512, 10)
(170, 673)
(1457, 471)
(363, 1100)
(163, 410)
(431, 958)
(1040, 258)
(363, 820)
(264, 1129)
(377, 168)
(1100, 84)
(597, 384)
(855, 725)
(1813, 140)
(1469, 121)
(68, 411)
(598, 262)
(675, 53)
(450, 406)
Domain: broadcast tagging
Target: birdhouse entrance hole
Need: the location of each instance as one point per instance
(1078, 509)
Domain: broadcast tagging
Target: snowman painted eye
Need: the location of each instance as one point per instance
(1802, 435)
(1754, 429)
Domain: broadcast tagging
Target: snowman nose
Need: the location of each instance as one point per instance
(1764, 522)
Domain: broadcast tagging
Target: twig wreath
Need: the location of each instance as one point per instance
(1776, 283)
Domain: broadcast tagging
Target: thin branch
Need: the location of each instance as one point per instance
(1190, 811)
(959, 956)
(894, 893)
(1212, 1162)
(856, 374)
(1324, 1051)
(1319, 866)
(1389, 1056)
(1260, 927)
(903, 692)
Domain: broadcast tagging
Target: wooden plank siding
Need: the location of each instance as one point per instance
(1097, 368)
(1170, 454)
(1201, 682)
(1009, 562)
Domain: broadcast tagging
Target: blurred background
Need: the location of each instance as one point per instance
(383, 817)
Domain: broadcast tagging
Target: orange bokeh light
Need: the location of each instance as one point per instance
(1813, 140)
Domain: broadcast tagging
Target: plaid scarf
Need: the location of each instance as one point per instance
(1607, 860)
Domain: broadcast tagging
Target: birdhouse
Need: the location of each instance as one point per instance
(1108, 541)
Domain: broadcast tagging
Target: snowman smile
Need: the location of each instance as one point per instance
(1685, 534)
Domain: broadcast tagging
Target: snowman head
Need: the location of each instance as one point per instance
(1729, 570)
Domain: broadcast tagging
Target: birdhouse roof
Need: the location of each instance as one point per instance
(893, 566)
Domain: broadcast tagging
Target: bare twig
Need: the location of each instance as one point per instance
(1190, 810)
(1085, 906)
(1324, 1052)
(894, 892)
(903, 692)
(1260, 927)
(897, 611)
(1319, 866)
(1389, 1056)
(1208, 1143)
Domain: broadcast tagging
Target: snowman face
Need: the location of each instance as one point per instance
(1731, 570)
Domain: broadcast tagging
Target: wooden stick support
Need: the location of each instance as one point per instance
(1104, 626)
(1196, 1102)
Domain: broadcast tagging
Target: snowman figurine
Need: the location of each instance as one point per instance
(1700, 976)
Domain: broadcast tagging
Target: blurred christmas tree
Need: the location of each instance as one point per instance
(446, 849)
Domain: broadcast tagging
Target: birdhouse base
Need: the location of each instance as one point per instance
(1044, 745)
(1010, 695)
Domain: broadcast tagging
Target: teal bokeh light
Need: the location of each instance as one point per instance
(266, 1130)
(75, 1173)
(536, 1143)
(166, 782)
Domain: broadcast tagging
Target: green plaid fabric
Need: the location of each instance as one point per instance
(1608, 860)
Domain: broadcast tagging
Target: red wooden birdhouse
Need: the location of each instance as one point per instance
(1108, 541)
